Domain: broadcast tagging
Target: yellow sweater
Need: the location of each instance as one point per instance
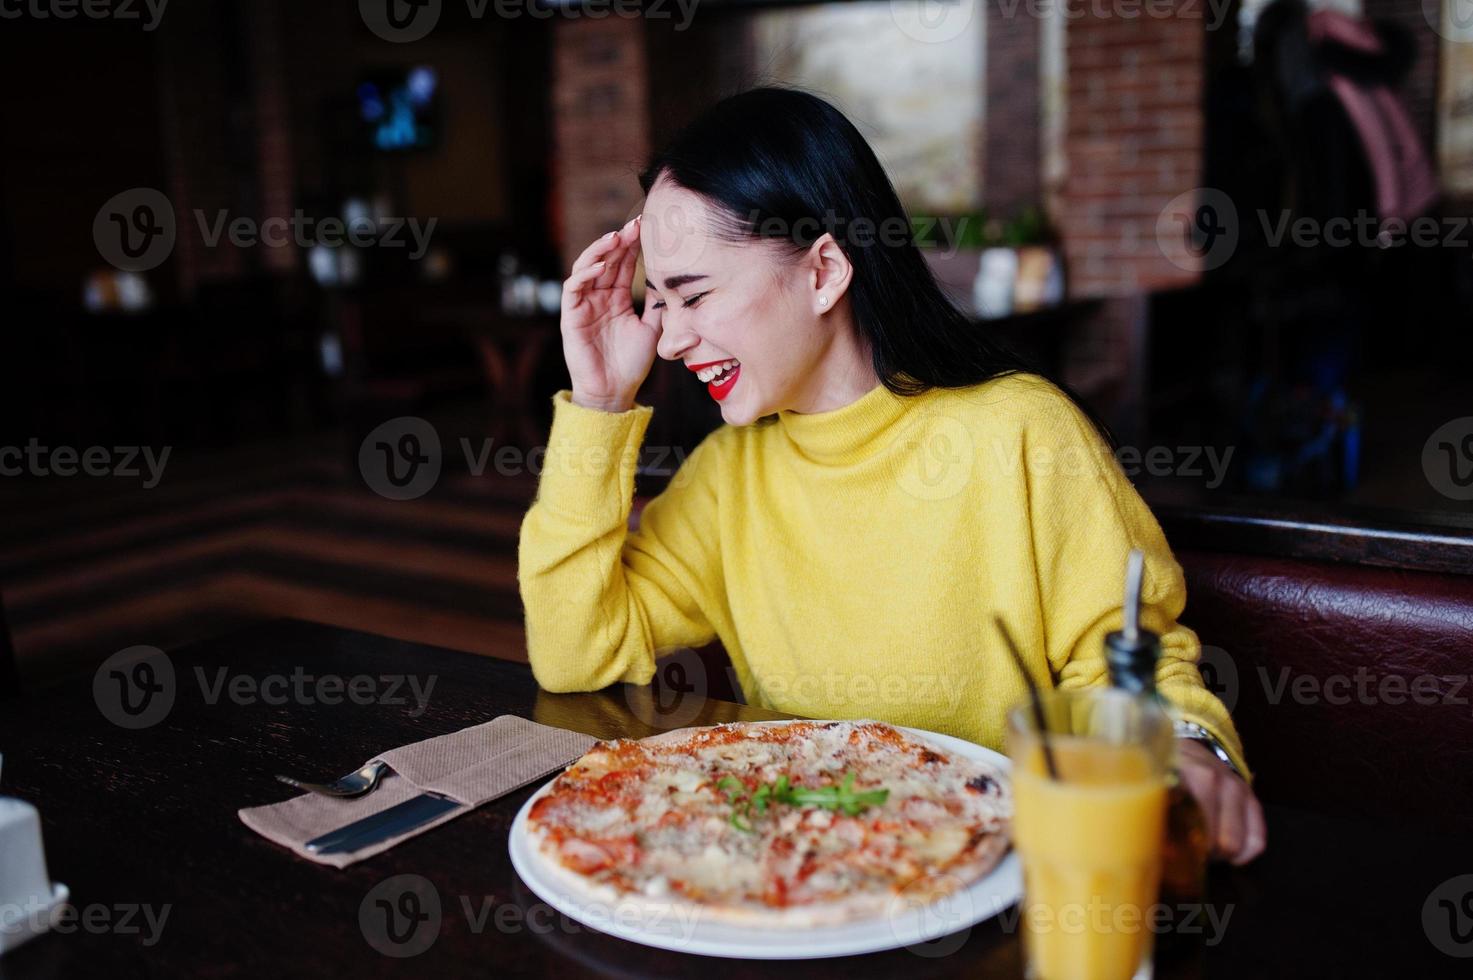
(851, 561)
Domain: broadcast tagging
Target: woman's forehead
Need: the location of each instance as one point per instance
(678, 235)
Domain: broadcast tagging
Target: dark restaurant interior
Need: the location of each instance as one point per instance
(252, 249)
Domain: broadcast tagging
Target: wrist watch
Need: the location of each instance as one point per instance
(1195, 732)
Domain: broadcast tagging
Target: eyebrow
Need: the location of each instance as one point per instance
(675, 282)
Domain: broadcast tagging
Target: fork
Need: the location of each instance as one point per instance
(353, 784)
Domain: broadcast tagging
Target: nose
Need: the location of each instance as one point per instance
(675, 340)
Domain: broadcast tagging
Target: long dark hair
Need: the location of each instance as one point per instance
(783, 164)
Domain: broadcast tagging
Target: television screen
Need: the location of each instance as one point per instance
(400, 108)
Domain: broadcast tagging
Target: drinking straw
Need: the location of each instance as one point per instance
(1134, 572)
(1038, 718)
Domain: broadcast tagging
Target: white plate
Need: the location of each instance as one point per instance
(656, 924)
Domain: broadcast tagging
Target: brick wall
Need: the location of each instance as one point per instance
(1011, 162)
(1133, 141)
(601, 129)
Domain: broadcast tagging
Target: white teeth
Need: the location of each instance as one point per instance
(707, 374)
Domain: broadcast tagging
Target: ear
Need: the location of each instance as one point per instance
(829, 273)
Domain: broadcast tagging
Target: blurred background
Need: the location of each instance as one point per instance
(280, 279)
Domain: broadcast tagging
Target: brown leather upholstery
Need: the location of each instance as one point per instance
(1352, 686)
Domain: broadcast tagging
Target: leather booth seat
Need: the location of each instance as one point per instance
(1352, 686)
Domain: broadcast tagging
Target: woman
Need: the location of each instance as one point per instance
(888, 480)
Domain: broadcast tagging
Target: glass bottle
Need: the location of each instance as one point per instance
(1131, 655)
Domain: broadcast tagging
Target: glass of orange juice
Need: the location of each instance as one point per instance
(1089, 835)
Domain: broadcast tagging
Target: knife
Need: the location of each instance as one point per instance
(397, 819)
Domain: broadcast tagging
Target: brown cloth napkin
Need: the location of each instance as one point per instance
(473, 766)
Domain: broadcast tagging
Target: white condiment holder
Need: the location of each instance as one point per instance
(30, 902)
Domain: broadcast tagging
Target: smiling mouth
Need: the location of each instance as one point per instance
(720, 378)
(718, 370)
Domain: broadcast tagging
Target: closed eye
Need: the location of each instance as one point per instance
(687, 304)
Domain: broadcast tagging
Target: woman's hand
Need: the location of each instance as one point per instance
(608, 347)
(1234, 816)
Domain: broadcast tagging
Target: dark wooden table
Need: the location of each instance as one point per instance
(147, 818)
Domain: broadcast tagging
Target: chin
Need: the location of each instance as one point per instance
(738, 414)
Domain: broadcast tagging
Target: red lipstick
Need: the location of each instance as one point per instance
(721, 390)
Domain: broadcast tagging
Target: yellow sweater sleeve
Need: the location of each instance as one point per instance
(1086, 517)
(601, 602)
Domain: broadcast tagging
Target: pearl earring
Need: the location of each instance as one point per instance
(823, 301)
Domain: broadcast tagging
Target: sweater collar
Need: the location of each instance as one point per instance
(842, 434)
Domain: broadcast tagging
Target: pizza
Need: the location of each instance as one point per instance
(786, 824)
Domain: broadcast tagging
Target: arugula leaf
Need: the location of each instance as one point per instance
(840, 797)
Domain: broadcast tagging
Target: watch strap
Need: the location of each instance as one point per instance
(1195, 732)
